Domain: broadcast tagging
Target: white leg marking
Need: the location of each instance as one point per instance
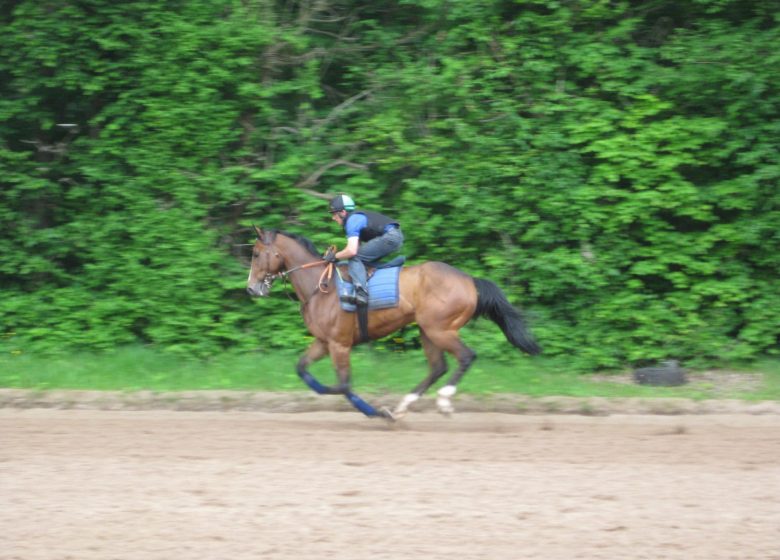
(448, 391)
(443, 402)
(403, 406)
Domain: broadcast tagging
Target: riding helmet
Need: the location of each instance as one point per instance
(341, 202)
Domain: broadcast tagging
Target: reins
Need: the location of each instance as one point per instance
(325, 277)
(323, 282)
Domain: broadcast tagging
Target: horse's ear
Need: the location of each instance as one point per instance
(259, 231)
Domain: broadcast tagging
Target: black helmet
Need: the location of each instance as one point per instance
(341, 202)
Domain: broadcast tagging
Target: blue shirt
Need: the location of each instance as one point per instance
(355, 223)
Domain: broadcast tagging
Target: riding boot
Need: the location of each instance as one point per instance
(361, 295)
(357, 271)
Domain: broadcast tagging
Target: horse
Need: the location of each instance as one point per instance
(438, 297)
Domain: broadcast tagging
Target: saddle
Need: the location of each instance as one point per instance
(382, 291)
(382, 285)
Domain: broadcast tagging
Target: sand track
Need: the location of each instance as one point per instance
(92, 484)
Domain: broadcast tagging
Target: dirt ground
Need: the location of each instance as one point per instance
(236, 484)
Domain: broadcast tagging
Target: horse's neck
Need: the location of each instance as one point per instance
(303, 280)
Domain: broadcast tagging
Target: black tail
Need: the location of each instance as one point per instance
(492, 303)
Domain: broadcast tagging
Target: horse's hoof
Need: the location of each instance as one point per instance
(386, 414)
(443, 402)
(445, 407)
(399, 414)
(403, 406)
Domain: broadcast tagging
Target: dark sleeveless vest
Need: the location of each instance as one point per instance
(376, 224)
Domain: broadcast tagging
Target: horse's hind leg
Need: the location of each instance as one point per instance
(451, 342)
(438, 367)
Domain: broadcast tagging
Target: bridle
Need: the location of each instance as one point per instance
(322, 285)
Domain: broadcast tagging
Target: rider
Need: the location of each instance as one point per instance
(370, 236)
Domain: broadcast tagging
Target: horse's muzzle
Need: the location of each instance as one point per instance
(260, 289)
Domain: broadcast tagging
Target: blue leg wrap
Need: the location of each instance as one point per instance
(321, 389)
(316, 386)
(361, 405)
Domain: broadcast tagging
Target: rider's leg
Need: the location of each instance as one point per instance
(357, 271)
(369, 252)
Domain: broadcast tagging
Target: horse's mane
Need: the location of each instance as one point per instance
(305, 242)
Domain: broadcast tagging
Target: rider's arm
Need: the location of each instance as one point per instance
(350, 250)
(354, 225)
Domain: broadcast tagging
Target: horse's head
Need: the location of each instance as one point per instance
(266, 263)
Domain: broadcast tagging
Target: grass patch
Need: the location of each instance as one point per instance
(374, 371)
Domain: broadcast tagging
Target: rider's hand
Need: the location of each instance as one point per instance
(329, 256)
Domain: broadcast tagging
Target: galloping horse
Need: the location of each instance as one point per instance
(439, 298)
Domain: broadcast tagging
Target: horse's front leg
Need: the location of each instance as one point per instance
(339, 355)
(316, 351)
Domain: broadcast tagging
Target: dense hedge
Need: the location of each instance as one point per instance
(612, 165)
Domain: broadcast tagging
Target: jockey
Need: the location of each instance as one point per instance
(370, 236)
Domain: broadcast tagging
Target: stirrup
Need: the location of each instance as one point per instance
(348, 298)
(360, 297)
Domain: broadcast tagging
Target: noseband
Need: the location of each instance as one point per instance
(269, 279)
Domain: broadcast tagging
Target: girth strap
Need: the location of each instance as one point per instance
(362, 313)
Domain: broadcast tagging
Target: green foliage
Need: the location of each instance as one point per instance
(612, 166)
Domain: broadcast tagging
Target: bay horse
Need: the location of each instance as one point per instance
(438, 297)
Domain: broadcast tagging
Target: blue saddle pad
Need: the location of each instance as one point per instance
(382, 289)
